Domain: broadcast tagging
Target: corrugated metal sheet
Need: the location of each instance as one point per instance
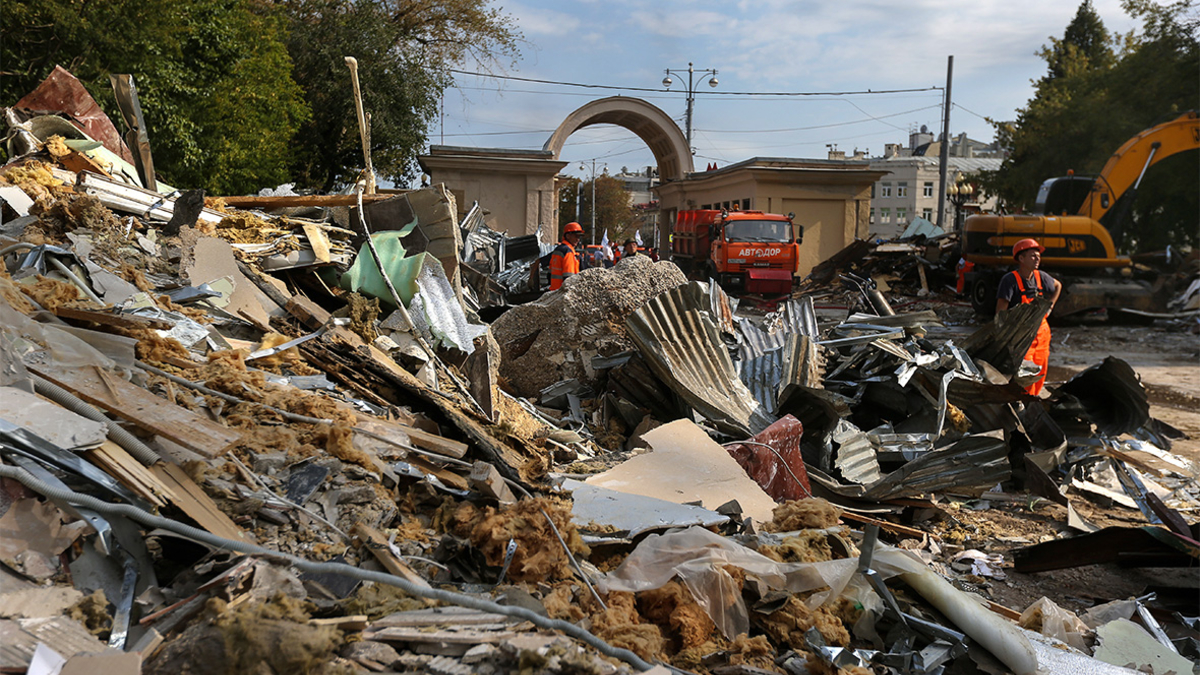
(975, 461)
(856, 456)
(762, 375)
(1004, 341)
(678, 337)
(756, 341)
(800, 316)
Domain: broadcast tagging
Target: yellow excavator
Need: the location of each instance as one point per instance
(1080, 222)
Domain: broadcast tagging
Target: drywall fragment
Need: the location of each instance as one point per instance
(686, 466)
(1124, 643)
(52, 422)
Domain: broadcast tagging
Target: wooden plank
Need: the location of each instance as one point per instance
(355, 622)
(193, 501)
(77, 161)
(884, 525)
(145, 410)
(116, 462)
(378, 545)
(255, 202)
(445, 617)
(111, 318)
(486, 478)
(318, 240)
(419, 635)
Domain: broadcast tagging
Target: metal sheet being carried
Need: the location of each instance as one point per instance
(678, 338)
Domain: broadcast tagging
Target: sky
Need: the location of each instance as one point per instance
(761, 46)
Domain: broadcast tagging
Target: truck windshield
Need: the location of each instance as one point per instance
(759, 230)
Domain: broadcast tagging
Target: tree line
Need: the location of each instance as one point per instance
(1100, 89)
(244, 94)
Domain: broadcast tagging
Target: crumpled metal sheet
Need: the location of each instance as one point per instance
(980, 460)
(678, 337)
(1004, 341)
(437, 313)
(62, 93)
(856, 458)
(762, 374)
(1112, 397)
(778, 468)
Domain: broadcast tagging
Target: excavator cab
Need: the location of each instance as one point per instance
(1063, 195)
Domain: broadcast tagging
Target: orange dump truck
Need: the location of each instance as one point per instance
(748, 251)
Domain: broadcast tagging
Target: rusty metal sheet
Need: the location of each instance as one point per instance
(773, 460)
(62, 93)
(678, 338)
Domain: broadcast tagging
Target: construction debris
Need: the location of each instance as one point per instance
(236, 440)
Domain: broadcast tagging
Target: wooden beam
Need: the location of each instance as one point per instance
(193, 501)
(111, 318)
(145, 410)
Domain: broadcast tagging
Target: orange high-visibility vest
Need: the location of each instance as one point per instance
(1039, 351)
(563, 263)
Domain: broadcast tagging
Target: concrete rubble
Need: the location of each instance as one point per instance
(351, 438)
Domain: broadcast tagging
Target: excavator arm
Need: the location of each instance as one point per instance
(1129, 163)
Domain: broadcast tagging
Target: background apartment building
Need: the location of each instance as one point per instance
(912, 183)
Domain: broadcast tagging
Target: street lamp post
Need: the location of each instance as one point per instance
(583, 167)
(960, 192)
(692, 81)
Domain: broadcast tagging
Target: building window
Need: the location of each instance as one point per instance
(885, 215)
(901, 215)
(872, 214)
(927, 191)
(887, 190)
(927, 214)
(872, 191)
(902, 189)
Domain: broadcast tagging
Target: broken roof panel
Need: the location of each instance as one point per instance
(1112, 397)
(679, 339)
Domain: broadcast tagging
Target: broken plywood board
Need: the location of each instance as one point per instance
(119, 464)
(686, 466)
(145, 410)
(50, 421)
(378, 545)
(407, 435)
(20, 638)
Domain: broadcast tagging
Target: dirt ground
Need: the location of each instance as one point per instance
(1168, 361)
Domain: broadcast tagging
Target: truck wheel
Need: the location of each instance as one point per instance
(983, 295)
(710, 270)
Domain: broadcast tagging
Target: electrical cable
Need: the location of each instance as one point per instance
(119, 435)
(710, 93)
(460, 599)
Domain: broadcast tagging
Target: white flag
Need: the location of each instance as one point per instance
(637, 237)
(605, 246)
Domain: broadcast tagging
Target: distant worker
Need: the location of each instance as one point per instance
(1029, 283)
(564, 261)
(629, 248)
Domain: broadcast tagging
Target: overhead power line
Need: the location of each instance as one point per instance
(707, 93)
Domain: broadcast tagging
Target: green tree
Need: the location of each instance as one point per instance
(1088, 104)
(213, 78)
(613, 212)
(568, 202)
(404, 49)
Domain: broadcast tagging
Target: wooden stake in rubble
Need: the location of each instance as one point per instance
(362, 123)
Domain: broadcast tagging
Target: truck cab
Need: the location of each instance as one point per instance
(748, 251)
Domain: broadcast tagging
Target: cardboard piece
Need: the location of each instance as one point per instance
(33, 533)
(213, 259)
(686, 466)
(36, 603)
(1124, 643)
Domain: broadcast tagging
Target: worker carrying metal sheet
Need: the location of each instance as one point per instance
(1026, 284)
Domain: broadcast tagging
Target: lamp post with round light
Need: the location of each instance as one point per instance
(960, 193)
(694, 78)
(584, 167)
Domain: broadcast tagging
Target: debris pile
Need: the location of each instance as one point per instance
(274, 434)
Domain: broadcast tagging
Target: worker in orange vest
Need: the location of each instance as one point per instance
(1028, 283)
(564, 261)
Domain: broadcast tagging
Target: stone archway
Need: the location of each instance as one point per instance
(646, 120)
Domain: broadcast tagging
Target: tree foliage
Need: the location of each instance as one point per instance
(613, 212)
(404, 50)
(213, 78)
(1097, 93)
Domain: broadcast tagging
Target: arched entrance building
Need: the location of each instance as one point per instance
(830, 197)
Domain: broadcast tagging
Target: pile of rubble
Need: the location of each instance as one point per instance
(274, 435)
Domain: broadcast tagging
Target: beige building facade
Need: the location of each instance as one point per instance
(831, 199)
(518, 189)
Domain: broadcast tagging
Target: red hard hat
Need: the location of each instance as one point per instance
(1025, 245)
(573, 227)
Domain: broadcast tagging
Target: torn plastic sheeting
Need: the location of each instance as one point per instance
(632, 514)
(699, 557)
(1112, 396)
(679, 340)
(437, 313)
(188, 331)
(779, 468)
